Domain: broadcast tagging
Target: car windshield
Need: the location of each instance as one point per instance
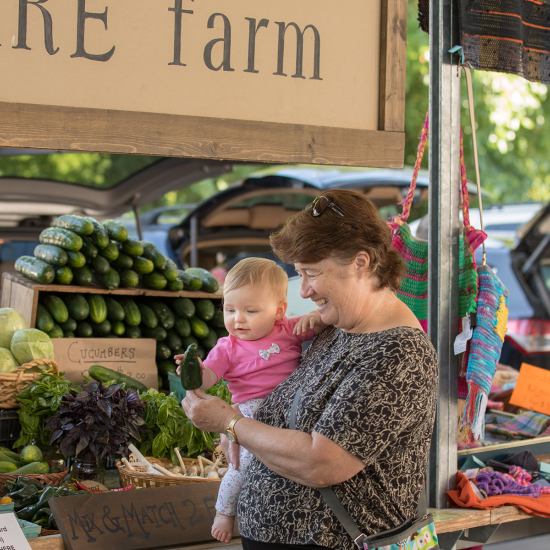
(97, 170)
(290, 201)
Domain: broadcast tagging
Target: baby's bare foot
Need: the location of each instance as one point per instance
(222, 529)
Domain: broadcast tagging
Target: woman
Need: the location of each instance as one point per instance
(369, 387)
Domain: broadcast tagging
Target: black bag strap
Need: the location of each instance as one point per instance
(333, 501)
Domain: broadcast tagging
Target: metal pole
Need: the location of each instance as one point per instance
(194, 237)
(444, 154)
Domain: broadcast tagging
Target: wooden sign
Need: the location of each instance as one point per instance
(139, 519)
(287, 81)
(130, 356)
(532, 389)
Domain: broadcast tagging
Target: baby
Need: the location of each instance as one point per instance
(263, 348)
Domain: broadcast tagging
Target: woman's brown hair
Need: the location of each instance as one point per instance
(305, 238)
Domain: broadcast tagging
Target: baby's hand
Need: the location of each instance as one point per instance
(311, 321)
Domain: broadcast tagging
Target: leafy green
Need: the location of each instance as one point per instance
(169, 427)
(39, 402)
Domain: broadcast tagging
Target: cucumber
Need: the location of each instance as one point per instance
(77, 224)
(99, 236)
(78, 307)
(69, 325)
(100, 265)
(189, 340)
(175, 286)
(116, 231)
(163, 351)
(132, 316)
(143, 266)
(7, 458)
(201, 352)
(7, 467)
(164, 314)
(57, 308)
(132, 247)
(51, 254)
(132, 332)
(102, 374)
(199, 328)
(44, 320)
(111, 279)
(64, 275)
(148, 317)
(171, 271)
(191, 376)
(56, 332)
(205, 309)
(184, 307)
(110, 252)
(89, 249)
(115, 312)
(221, 332)
(34, 468)
(172, 340)
(151, 252)
(190, 282)
(123, 262)
(11, 454)
(98, 308)
(35, 269)
(209, 282)
(84, 330)
(118, 328)
(157, 333)
(83, 276)
(101, 329)
(68, 334)
(211, 339)
(182, 326)
(154, 281)
(166, 366)
(76, 259)
(217, 320)
(129, 279)
(61, 237)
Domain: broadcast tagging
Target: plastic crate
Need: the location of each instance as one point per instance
(30, 530)
(7, 508)
(10, 427)
(176, 387)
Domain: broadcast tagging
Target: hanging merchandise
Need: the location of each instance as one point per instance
(414, 251)
(488, 336)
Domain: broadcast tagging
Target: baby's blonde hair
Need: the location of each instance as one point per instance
(254, 271)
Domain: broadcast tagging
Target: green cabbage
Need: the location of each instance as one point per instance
(29, 344)
(7, 361)
(10, 321)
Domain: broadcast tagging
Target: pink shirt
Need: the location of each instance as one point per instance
(249, 375)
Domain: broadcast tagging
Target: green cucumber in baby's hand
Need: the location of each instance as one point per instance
(191, 377)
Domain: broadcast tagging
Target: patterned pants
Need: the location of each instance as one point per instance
(232, 481)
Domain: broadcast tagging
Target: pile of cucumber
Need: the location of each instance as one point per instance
(82, 251)
(174, 323)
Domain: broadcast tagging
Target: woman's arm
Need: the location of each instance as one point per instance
(312, 460)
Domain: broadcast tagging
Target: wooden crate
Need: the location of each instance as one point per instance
(22, 294)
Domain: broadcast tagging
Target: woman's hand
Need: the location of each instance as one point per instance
(208, 413)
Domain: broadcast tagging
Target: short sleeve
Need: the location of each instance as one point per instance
(219, 357)
(291, 323)
(371, 408)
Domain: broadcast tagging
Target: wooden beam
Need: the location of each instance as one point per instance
(79, 129)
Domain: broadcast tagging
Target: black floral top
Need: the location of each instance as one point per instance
(375, 396)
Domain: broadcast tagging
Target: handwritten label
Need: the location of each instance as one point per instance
(532, 389)
(140, 519)
(130, 356)
(11, 535)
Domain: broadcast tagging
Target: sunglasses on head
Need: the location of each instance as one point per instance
(320, 204)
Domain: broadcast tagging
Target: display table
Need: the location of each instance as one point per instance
(448, 522)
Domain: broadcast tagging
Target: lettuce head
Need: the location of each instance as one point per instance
(10, 321)
(30, 344)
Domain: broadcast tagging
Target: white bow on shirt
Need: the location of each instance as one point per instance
(265, 353)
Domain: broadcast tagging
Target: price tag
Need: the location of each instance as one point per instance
(461, 340)
(11, 535)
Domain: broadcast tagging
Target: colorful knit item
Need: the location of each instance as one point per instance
(485, 348)
(495, 483)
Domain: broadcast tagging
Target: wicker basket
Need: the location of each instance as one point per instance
(144, 479)
(11, 383)
(48, 480)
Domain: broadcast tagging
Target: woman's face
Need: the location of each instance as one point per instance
(337, 289)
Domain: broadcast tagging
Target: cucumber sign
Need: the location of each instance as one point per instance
(254, 64)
